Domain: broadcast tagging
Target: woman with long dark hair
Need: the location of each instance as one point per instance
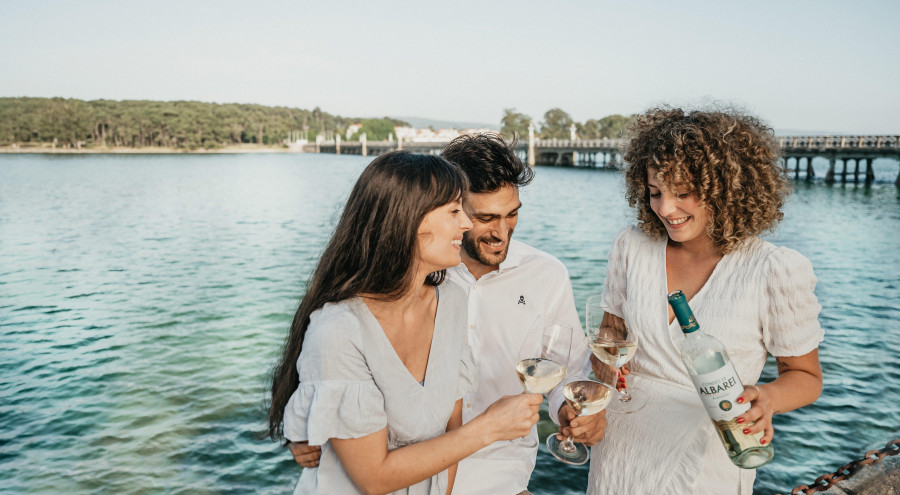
(377, 358)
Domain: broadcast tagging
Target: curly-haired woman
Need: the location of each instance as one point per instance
(706, 185)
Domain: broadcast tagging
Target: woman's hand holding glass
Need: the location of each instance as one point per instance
(510, 417)
(614, 344)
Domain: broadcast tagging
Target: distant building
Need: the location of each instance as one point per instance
(427, 135)
(353, 129)
(480, 130)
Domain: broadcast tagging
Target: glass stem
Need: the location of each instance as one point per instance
(624, 396)
(568, 446)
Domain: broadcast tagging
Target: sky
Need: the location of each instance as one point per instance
(823, 66)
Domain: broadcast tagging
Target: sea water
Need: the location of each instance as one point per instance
(144, 299)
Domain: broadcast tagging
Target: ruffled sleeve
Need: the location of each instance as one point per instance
(320, 411)
(337, 397)
(790, 310)
(468, 373)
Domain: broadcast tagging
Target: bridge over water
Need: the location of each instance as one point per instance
(855, 154)
(847, 149)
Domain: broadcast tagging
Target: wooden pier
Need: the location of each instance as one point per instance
(851, 151)
(592, 153)
(847, 149)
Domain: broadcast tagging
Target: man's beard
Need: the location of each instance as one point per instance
(474, 249)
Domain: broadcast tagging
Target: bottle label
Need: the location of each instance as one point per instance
(719, 391)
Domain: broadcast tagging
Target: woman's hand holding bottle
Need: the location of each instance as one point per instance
(759, 417)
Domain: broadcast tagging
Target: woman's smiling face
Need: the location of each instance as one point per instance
(680, 211)
(440, 236)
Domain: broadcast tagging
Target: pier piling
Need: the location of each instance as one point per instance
(829, 176)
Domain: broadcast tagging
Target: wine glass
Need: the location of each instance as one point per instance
(613, 343)
(542, 359)
(586, 397)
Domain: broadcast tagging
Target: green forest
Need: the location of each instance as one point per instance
(557, 124)
(191, 125)
(168, 124)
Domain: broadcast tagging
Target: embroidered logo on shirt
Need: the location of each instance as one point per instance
(521, 299)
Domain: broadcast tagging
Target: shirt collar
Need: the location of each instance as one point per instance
(513, 259)
(513, 256)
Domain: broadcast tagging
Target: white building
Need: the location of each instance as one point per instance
(353, 129)
(427, 135)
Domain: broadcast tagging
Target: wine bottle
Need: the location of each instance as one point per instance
(719, 386)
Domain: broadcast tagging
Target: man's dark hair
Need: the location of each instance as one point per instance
(488, 161)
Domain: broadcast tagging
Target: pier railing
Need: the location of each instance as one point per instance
(869, 143)
(603, 153)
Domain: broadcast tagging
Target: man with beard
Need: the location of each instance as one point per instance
(509, 284)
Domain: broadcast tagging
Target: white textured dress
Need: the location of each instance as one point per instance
(759, 300)
(352, 384)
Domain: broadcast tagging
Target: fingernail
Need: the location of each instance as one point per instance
(746, 431)
(740, 420)
(740, 400)
(762, 442)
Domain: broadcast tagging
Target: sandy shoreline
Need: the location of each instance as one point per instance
(148, 150)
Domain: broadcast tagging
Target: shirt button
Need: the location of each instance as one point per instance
(472, 327)
(469, 405)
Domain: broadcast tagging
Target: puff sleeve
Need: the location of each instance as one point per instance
(337, 396)
(790, 310)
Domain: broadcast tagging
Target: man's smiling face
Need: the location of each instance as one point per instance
(494, 216)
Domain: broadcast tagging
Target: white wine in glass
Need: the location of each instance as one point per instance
(586, 397)
(539, 376)
(615, 353)
(542, 358)
(613, 343)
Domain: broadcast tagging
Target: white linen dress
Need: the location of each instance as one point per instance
(759, 300)
(352, 384)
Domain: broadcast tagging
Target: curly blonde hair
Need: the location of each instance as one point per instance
(728, 159)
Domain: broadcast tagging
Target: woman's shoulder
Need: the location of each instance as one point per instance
(765, 252)
(453, 305)
(787, 266)
(323, 322)
(776, 264)
(451, 293)
(633, 237)
(335, 311)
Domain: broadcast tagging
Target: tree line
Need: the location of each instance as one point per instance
(557, 124)
(189, 125)
(169, 124)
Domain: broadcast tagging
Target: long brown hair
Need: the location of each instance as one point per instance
(372, 250)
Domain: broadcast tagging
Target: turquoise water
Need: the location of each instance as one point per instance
(143, 299)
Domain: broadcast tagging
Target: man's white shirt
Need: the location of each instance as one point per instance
(503, 306)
